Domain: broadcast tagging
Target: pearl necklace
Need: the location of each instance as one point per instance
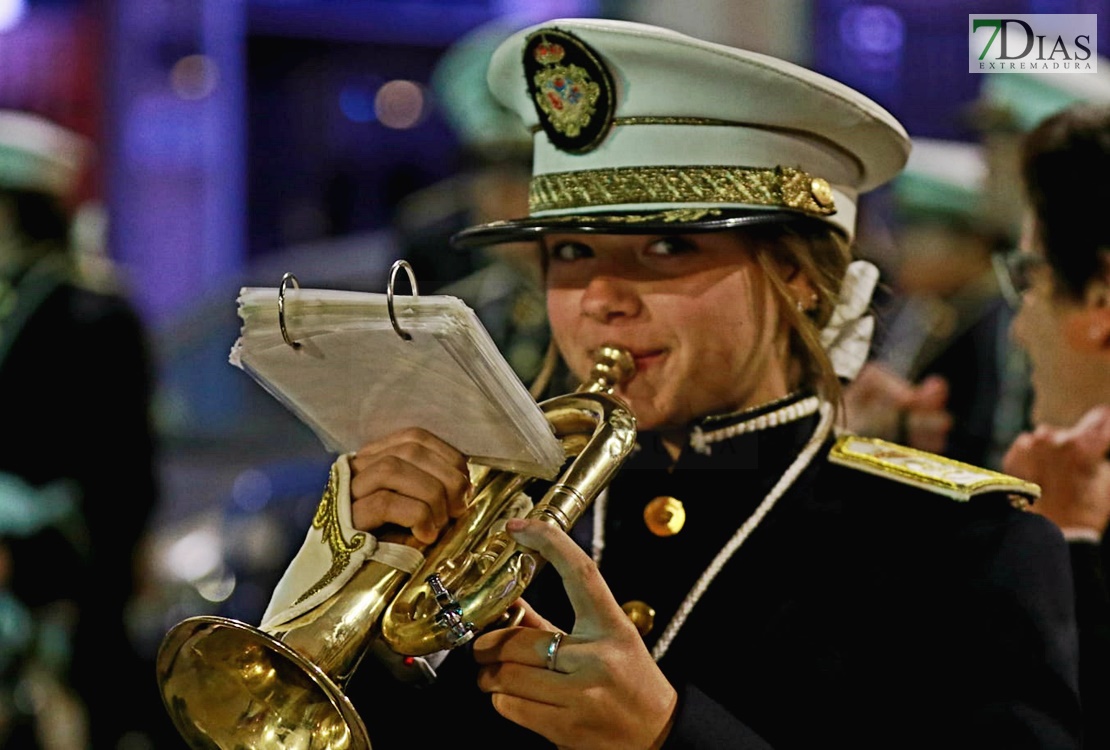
(785, 482)
(701, 440)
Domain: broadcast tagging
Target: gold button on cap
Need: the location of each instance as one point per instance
(665, 516)
(641, 614)
(821, 191)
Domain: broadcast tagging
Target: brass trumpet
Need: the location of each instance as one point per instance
(232, 686)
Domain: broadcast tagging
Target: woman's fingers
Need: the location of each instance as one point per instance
(416, 435)
(527, 646)
(395, 457)
(423, 517)
(596, 686)
(596, 611)
(412, 479)
(531, 618)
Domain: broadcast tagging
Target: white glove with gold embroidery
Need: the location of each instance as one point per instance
(332, 553)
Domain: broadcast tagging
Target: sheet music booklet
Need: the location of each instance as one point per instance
(348, 373)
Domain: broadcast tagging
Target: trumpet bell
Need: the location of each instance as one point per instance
(231, 686)
(228, 684)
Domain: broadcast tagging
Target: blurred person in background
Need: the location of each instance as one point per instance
(975, 402)
(943, 341)
(77, 477)
(1063, 270)
(501, 284)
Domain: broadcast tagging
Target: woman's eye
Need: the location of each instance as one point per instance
(570, 251)
(670, 246)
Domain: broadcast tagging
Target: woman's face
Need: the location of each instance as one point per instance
(1068, 373)
(695, 311)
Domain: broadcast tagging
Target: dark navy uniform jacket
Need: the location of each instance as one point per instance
(76, 384)
(862, 612)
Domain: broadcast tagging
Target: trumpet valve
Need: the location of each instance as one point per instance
(450, 614)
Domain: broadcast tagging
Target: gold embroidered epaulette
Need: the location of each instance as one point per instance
(924, 470)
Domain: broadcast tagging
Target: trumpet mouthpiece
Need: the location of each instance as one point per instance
(612, 366)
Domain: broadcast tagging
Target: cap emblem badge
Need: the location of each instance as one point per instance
(571, 89)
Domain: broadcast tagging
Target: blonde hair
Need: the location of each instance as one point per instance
(822, 254)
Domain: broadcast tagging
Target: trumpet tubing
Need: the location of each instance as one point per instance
(230, 685)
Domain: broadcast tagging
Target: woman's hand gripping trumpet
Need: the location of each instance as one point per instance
(412, 479)
(595, 687)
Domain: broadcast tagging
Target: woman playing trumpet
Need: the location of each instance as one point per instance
(751, 578)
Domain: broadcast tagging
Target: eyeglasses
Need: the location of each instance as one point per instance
(1015, 271)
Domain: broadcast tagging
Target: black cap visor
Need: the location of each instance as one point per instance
(669, 222)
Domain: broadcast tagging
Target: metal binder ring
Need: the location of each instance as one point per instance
(389, 294)
(281, 308)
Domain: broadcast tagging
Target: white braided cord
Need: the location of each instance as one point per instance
(785, 482)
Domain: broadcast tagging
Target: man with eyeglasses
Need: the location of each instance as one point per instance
(1063, 277)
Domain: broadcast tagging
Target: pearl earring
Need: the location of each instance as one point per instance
(812, 303)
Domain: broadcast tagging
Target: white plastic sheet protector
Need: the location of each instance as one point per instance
(352, 378)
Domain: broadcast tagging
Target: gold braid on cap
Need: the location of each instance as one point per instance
(784, 187)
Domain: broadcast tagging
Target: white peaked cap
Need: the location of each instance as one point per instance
(952, 162)
(37, 154)
(639, 128)
(1022, 100)
(943, 180)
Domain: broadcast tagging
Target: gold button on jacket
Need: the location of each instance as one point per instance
(642, 615)
(665, 516)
